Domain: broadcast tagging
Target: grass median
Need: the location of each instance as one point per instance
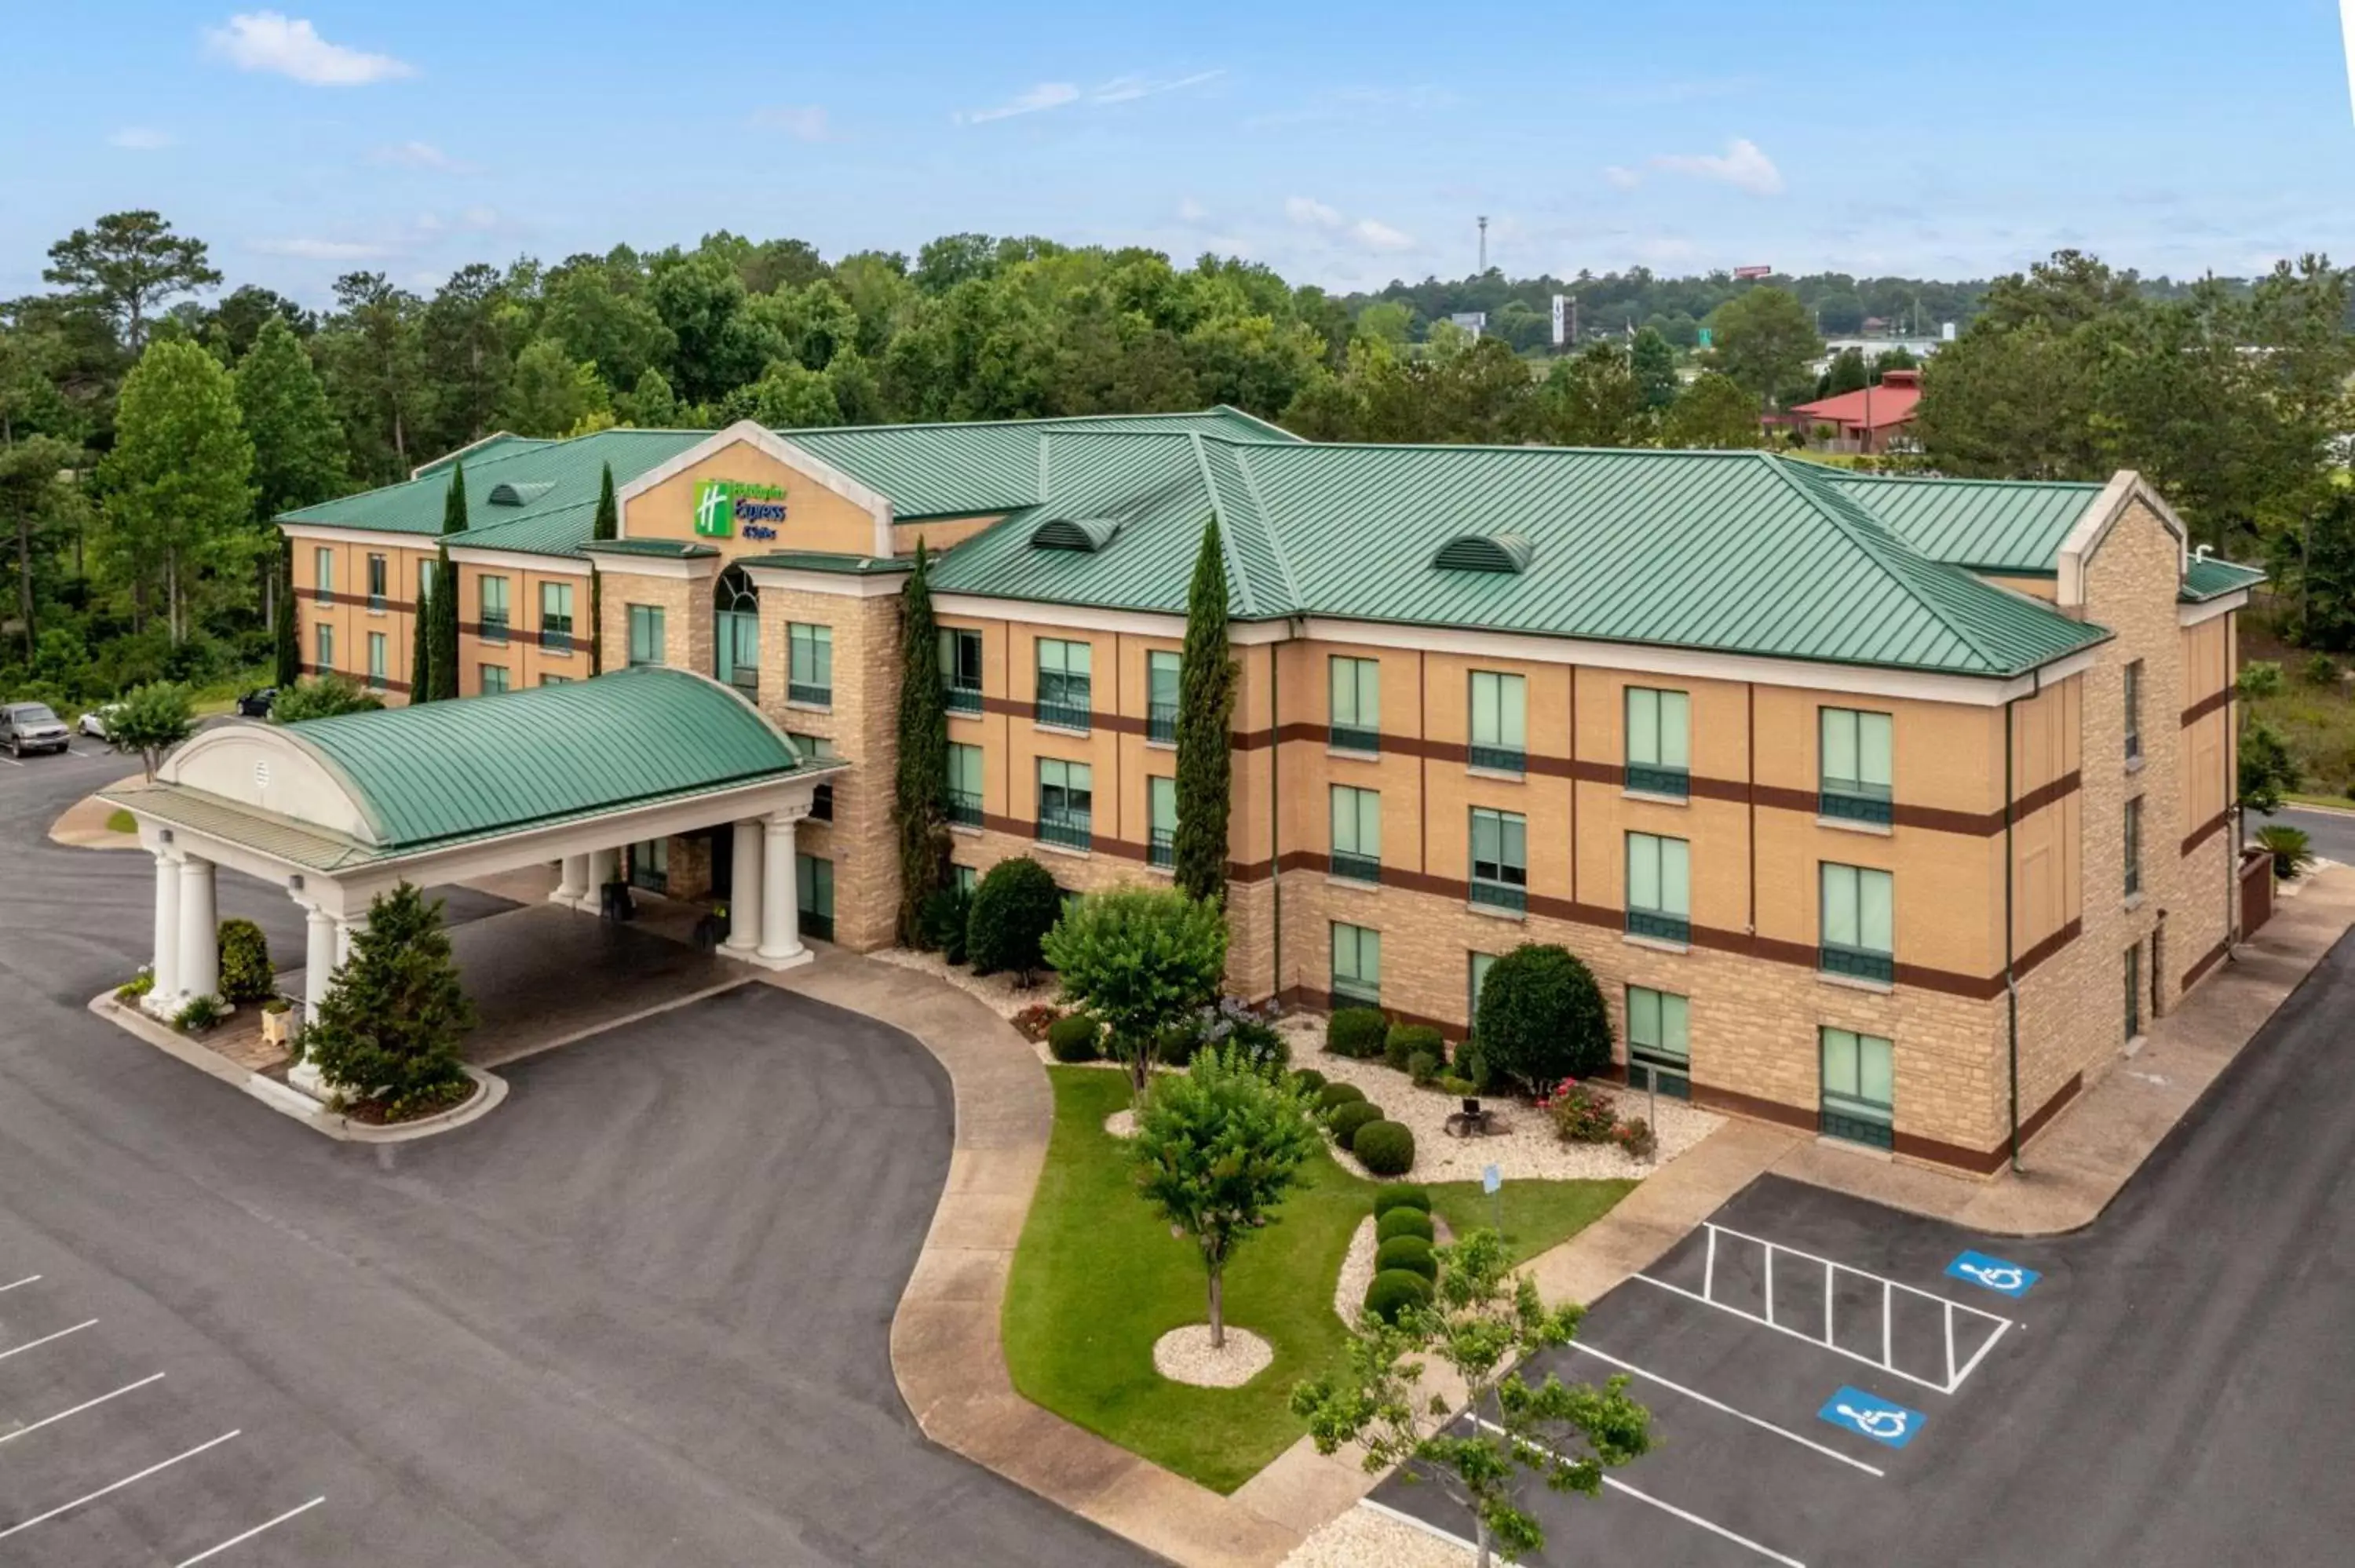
(1097, 1279)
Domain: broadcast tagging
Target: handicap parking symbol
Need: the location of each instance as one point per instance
(1892, 1425)
(2007, 1278)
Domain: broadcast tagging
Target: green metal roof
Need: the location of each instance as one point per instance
(831, 561)
(668, 549)
(550, 478)
(2208, 579)
(2002, 527)
(437, 771)
(502, 442)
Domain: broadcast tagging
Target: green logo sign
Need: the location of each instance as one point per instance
(720, 504)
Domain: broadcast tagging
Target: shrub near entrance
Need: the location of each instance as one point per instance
(1541, 1018)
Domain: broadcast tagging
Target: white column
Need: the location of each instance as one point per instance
(574, 885)
(781, 914)
(318, 960)
(166, 966)
(344, 926)
(200, 930)
(745, 892)
(605, 865)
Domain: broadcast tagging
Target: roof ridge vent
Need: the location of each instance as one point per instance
(1087, 534)
(1509, 553)
(508, 493)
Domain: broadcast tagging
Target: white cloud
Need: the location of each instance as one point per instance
(323, 249)
(140, 139)
(1062, 94)
(1191, 211)
(1620, 177)
(1310, 213)
(802, 123)
(1375, 235)
(1046, 95)
(480, 218)
(1741, 166)
(419, 156)
(1123, 89)
(288, 45)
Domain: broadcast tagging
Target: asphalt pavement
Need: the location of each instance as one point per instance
(638, 1316)
(2332, 833)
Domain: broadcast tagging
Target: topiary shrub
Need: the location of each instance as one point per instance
(1016, 906)
(1073, 1038)
(1541, 1019)
(1393, 1293)
(1332, 1095)
(1309, 1080)
(1405, 1042)
(1404, 1223)
(946, 916)
(1471, 1064)
(1410, 1253)
(1424, 1067)
(1347, 1118)
(1357, 1032)
(245, 972)
(1385, 1149)
(1401, 1197)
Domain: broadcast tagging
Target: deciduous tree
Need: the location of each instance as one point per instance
(152, 720)
(1765, 338)
(177, 487)
(1139, 960)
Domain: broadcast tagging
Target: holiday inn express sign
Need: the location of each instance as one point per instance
(726, 506)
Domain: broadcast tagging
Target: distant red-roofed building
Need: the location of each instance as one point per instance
(1862, 421)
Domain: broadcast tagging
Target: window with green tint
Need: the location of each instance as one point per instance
(556, 616)
(1660, 758)
(1161, 821)
(425, 569)
(1860, 1087)
(961, 668)
(967, 878)
(1357, 833)
(1481, 963)
(1658, 1037)
(1855, 766)
(1659, 887)
(809, 674)
(1356, 963)
(1066, 799)
(493, 610)
(556, 680)
(813, 890)
(379, 654)
(1500, 722)
(1859, 920)
(645, 634)
(1501, 859)
(1065, 684)
(375, 580)
(820, 748)
(1356, 721)
(2133, 846)
(493, 679)
(965, 785)
(2133, 711)
(324, 638)
(1161, 696)
(322, 568)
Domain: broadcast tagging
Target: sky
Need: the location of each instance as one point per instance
(1343, 145)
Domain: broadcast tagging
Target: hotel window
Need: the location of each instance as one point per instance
(1858, 1087)
(1659, 758)
(1659, 887)
(2134, 990)
(556, 616)
(1161, 697)
(494, 680)
(650, 865)
(961, 669)
(965, 785)
(1357, 964)
(1658, 1038)
(379, 652)
(736, 633)
(1853, 766)
(1500, 740)
(1859, 923)
(556, 680)
(822, 749)
(493, 594)
(809, 673)
(376, 571)
(2134, 847)
(965, 879)
(1357, 833)
(2133, 711)
(425, 569)
(1066, 693)
(1067, 800)
(1501, 859)
(323, 569)
(1161, 821)
(645, 634)
(1481, 963)
(813, 896)
(1357, 716)
(324, 635)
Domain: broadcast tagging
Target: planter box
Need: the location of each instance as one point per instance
(276, 1026)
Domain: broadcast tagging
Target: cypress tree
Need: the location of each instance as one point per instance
(443, 630)
(607, 525)
(420, 647)
(920, 804)
(1206, 705)
(609, 514)
(288, 648)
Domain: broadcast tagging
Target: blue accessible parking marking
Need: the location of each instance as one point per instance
(1891, 1425)
(2007, 1278)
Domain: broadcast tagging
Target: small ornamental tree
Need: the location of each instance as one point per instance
(420, 644)
(1014, 908)
(245, 972)
(1484, 1322)
(919, 803)
(1541, 1018)
(1216, 1148)
(1206, 705)
(1140, 960)
(153, 718)
(322, 697)
(388, 1032)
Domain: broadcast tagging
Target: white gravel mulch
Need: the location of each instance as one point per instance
(1356, 1272)
(997, 992)
(1361, 1538)
(1121, 1124)
(1526, 1147)
(1184, 1355)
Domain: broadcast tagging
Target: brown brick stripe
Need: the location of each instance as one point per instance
(519, 635)
(1979, 1161)
(360, 681)
(357, 601)
(2208, 960)
(2206, 705)
(2207, 830)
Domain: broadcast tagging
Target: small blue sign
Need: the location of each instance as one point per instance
(1491, 1177)
(1891, 1425)
(2003, 1278)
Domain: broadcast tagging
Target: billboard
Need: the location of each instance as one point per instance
(1751, 273)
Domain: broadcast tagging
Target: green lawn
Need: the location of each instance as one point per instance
(119, 820)
(1098, 1279)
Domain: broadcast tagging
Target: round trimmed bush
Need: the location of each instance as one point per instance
(1385, 1149)
(1404, 1223)
(1401, 1197)
(245, 972)
(1073, 1038)
(1394, 1292)
(1541, 1019)
(1332, 1095)
(1471, 1064)
(1309, 1080)
(1410, 1253)
(1346, 1120)
(1358, 1031)
(1014, 908)
(1424, 1067)
(1405, 1042)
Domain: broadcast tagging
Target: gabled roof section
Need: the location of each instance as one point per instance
(2002, 527)
(2207, 578)
(496, 442)
(547, 477)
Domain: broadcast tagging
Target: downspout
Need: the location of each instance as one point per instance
(2011, 979)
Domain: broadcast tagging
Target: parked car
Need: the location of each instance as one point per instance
(256, 704)
(93, 723)
(31, 727)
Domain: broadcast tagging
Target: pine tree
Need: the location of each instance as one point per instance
(1206, 705)
(388, 1032)
(920, 806)
(421, 645)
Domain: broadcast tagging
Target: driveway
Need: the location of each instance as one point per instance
(638, 1317)
(2332, 833)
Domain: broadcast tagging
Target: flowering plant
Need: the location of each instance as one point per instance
(1033, 1022)
(1579, 1114)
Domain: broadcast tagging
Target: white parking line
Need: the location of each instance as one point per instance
(114, 1486)
(28, 1279)
(1719, 1406)
(11, 761)
(216, 1551)
(77, 1410)
(46, 1338)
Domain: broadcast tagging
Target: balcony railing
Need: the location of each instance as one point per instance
(1068, 830)
(1350, 738)
(1161, 722)
(813, 695)
(1852, 806)
(1161, 847)
(1065, 703)
(963, 699)
(964, 808)
(1858, 963)
(1643, 778)
(1659, 926)
(1497, 759)
(1872, 1130)
(556, 636)
(1501, 895)
(1356, 867)
(495, 626)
